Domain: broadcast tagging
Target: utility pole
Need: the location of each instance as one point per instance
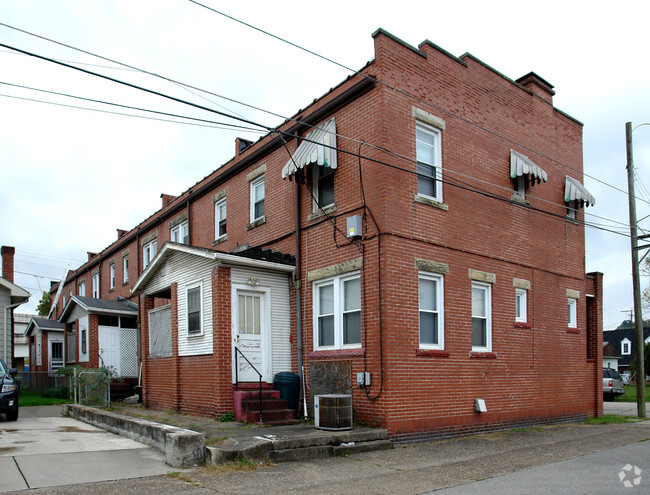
(636, 282)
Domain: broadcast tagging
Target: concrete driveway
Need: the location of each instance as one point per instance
(44, 449)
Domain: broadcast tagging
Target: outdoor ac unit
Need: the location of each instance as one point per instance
(333, 412)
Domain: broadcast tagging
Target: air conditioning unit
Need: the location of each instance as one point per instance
(333, 412)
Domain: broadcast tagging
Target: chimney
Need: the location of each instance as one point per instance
(242, 145)
(166, 199)
(121, 232)
(8, 263)
(91, 255)
(538, 86)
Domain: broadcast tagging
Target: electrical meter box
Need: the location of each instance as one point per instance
(354, 226)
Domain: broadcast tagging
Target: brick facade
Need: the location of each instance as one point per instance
(478, 227)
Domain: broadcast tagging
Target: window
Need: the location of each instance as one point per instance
(337, 312)
(520, 186)
(96, 285)
(220, 218)
(428, 158)
(149, 251)
(323, 180)
(160, 332)
(194, 325)
(84, 341)
(431, 311)
(56, 357)
(257, 199)
(112, 275)
(626, 347)
(481, 317)
(125, 268)
(573, 313)
(571, 208)
(180, 233)
(82, 289)
(520, 305)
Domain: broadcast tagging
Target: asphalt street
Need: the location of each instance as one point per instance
(559, 459)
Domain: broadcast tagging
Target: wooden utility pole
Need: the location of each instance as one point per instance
(636, 282)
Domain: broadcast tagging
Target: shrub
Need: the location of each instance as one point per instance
(57, 393)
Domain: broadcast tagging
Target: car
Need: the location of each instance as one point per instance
(612, 384)
(8, 392)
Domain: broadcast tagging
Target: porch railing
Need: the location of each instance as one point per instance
(238, 351)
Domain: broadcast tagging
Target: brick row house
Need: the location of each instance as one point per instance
(414, 237)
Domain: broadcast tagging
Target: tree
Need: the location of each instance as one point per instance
(44, 304)
(646, 359)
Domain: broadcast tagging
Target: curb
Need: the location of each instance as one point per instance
(181, 447)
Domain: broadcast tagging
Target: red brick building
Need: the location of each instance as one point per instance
(420, 225)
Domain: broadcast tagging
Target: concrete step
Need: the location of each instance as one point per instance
(254, 404)
(325, 451)
(275, 416)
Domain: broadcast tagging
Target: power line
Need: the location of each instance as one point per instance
(410, 95)
(135, 86)
(223, 124)
(157, 93)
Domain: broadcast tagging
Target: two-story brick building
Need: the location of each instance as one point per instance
(418, 228)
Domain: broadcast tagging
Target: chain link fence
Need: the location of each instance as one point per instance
(92, 388)
(42, 381)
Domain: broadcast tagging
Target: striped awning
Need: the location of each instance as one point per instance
(574, 191)
(319, 146)
(522, 165)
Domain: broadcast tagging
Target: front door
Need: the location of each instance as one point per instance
(250, 335)
(109, 347)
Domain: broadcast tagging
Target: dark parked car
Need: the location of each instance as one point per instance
(612, 384)
(8, 392)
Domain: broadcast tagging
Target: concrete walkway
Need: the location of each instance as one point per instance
(44, 449)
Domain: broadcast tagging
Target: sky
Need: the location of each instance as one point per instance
(70, 177)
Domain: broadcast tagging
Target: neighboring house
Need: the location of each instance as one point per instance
(21, 341)
(46, 344)
(610, 356)
(101, 332)
(11, 296)
(414, 237)
(623, 340)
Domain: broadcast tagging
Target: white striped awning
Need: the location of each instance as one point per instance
(574, 191)
(522, 165)
(319, 146)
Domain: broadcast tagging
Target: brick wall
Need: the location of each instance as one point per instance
(478, 227)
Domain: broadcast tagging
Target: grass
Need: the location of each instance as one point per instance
(30, 398)
(607, 419)
(630, 394)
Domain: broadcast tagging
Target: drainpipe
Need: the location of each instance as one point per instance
(298, 279)
(11, 306)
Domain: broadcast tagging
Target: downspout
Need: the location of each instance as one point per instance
(298, 278)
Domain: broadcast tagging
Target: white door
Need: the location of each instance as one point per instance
(250, 335)
(109, 347)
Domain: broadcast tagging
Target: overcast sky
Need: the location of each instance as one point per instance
(70, 177)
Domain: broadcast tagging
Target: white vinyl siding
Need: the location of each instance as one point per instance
(186, 270)
(279, 302)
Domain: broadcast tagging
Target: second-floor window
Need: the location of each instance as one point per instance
(125, 269)
(180, 233)
(96, 285)
(323, 180)
(220, 218)
(428, 161)
(82, 289)
(626, 347)
(149, 251)
(257, 199)
(431, 311)
(112, 275)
